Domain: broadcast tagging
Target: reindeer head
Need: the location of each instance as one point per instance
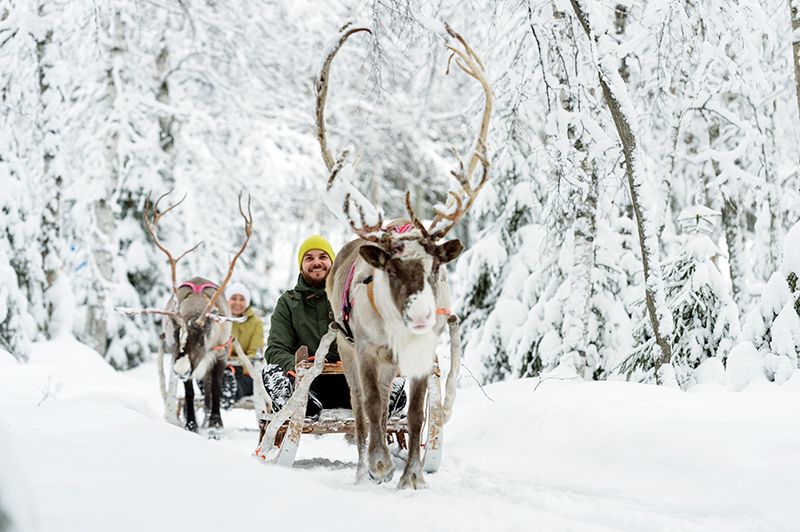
(407, 262)
(193, 332)
(409, 270)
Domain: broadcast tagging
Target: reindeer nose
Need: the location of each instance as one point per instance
(422, 324)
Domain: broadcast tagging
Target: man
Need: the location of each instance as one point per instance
(300, 319)
(237, 382)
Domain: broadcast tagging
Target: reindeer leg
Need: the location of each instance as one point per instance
(188, 405)
(375, 390)
(206, 389)
(215, 419)
(361, 432)
(412, 475)
(352, 373)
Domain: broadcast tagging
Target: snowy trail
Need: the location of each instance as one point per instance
(93, 453)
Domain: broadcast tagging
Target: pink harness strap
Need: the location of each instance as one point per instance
(197, 289)
(405, 228)
(345, 303)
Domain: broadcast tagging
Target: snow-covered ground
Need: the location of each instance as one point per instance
(84, 448)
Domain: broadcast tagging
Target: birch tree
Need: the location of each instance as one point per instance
(623, 114)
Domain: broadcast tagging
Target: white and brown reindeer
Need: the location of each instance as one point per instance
(393, 289)
(197, 331)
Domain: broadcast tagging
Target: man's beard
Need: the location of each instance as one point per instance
(313, 283)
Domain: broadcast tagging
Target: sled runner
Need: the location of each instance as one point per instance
(279, 434)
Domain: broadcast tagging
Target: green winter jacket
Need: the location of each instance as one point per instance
(301, 317)
(250, 334)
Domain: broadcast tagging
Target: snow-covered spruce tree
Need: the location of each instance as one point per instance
(553, 296)
(493, 273)
(705, 316)
(111, 156)
(16, 324)
(510, 259)
(772, 328)
(623, 113)
(21, 174)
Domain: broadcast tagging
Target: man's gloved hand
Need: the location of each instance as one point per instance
(301, 354)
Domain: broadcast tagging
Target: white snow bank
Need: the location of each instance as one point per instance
(744, 366)
(65, 369)
(17, 512)
(708, 461)
(561, 455)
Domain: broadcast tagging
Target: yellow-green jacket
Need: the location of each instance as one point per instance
(250, 333)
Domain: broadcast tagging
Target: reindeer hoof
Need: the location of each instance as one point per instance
(215, 433)
(382, 471)
(412, 481)
(191, 426)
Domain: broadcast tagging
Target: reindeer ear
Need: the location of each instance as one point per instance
(448, 251)
(375, 256)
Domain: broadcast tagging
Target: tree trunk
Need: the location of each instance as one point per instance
(49, 235)
(794, 13)
(104, 245)
(576, 316)
(731, 226)
(166, 122)
(733, 238)
(655, 300)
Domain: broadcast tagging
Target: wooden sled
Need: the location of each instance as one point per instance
(279, 434)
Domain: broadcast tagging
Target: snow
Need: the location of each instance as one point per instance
(786, 333)
(745, 365)
(791, 251)
(710, 372)
(564, 454)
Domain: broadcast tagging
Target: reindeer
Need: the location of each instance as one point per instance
(198, 329)
(393, 288)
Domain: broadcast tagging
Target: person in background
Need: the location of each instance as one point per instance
(237, 382)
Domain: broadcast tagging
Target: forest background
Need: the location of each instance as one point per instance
(103, 102)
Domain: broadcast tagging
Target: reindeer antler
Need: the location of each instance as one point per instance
(364, 229)
(459, 202)
(248, 231)
(321, 87)
(151, 210)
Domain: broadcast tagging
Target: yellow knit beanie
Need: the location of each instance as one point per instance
(314, 242)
